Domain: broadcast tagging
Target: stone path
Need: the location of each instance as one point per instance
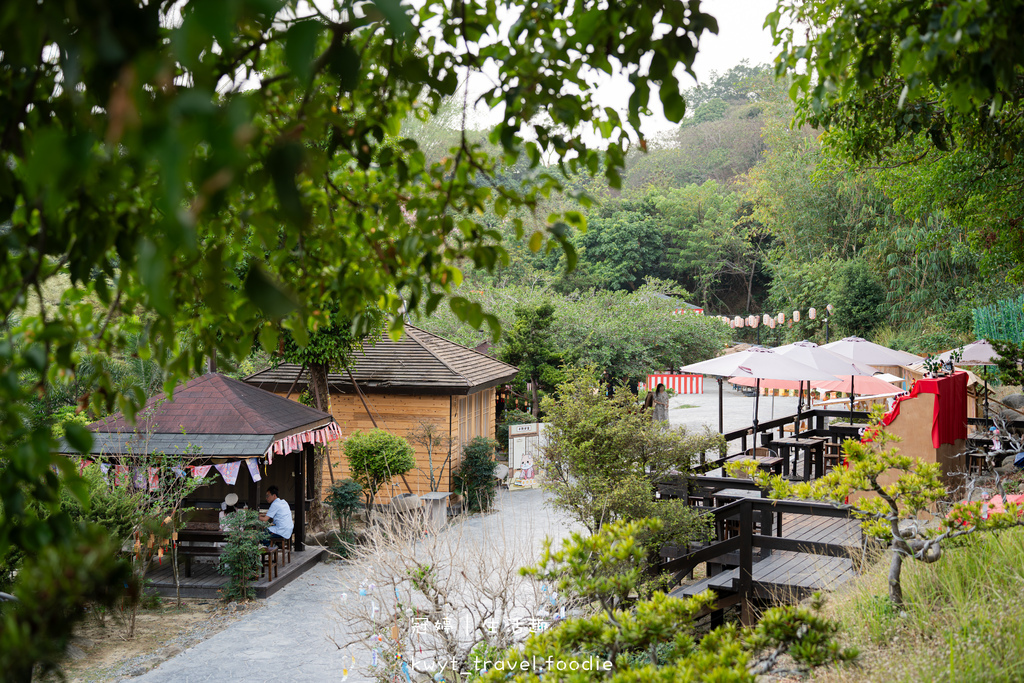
(288, 640)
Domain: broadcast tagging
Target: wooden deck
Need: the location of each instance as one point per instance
(205, 582)
(785, 572)
(791, 574)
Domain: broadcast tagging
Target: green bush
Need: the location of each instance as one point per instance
(375, 457)
(475, 477)
(346, 497)
(240, 557)
(511, 416)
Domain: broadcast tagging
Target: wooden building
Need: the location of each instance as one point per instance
(214, 421)
(421, 378)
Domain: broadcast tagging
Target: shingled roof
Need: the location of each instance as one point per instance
(418, 363)
(217, 414)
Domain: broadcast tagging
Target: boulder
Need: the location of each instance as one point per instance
(1014, 401)
(406, 502)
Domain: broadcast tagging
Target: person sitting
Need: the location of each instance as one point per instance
(279, 514)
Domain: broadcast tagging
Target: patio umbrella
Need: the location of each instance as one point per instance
(978, 352)
(861, 350)
(757, 363)
(809, 353)
(869, 353)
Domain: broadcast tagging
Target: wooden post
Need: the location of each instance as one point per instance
(746, 562)
(300, 496)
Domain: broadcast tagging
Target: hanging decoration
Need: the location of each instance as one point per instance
(294, 442)
(200, 471)
(254, 469)
(229, 470)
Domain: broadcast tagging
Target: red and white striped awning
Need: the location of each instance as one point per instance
(295, 442)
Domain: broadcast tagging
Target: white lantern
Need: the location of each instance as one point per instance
(829, 308)
(796, 316)
(766, 318)
(812, 313)
(739, 321)
(781, 319)
(771, 323)
(753, 321)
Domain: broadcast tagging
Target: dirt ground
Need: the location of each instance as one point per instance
(100, 652)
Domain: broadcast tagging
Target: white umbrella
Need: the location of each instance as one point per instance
(759, 363)
(978, 352)
(862, 351)
(825, 359)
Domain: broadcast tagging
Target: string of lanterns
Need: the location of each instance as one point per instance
(770, 321)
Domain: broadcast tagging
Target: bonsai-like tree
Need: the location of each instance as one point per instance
(375, 457)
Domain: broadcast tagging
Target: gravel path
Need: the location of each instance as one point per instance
(289, 638)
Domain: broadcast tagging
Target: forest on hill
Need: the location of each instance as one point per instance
(743, 211)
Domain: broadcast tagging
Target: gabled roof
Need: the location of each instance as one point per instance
(418, 363)
(211, 409)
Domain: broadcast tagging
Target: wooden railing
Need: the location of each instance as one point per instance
(747, 540)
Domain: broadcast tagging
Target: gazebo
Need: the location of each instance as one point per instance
(245, 433)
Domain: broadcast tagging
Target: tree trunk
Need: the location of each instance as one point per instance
(895, 586)
(319, 392)
(536, 401)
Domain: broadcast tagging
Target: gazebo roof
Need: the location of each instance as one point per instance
(419, 362)
(217, 415)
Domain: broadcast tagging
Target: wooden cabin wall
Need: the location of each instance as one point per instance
(400, 415)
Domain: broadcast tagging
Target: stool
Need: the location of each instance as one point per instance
(284, 545)
(270, 564)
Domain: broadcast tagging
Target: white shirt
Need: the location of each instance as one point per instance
(280, 518)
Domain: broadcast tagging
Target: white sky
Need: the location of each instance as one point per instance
(740, 37)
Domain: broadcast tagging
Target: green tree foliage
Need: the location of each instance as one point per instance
(375, 458)
(625, 334)
(601, 451)
(474, 479)
(654, 639)
(617, 250)
(710, 245)
(935, 86)
(858, 298)
(528, 346)
(228, 168)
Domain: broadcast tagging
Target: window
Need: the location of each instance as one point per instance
(474, 416)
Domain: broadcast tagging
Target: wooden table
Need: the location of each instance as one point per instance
(839, 431)
(814, 451)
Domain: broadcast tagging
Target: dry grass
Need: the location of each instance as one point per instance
(963, 620)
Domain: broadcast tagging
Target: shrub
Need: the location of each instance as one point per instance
(375, 457)
(512, 416)
(240, 557)
(475, 478)
(344, 499)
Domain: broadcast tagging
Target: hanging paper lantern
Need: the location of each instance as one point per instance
(771, 323)
(754, 320)
(739, 321)
(812, 313)
(781, 318)
(796, 316)
(829, 308)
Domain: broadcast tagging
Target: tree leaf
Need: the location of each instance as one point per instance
(274, 300)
